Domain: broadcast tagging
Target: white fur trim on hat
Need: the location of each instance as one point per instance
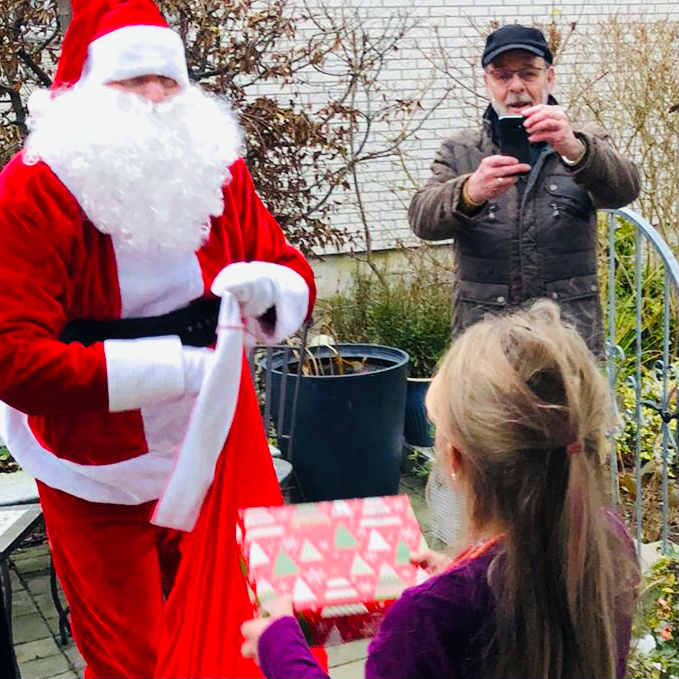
(132, 51)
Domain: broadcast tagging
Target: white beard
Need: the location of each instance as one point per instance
(501, 108)
(149, 175)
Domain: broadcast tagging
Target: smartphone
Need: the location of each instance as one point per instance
(514, 139)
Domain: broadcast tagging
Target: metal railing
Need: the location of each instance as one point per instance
(652, 375)
(279, 414)
(281, 423)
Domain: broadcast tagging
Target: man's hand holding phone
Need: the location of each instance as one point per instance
(493, 177)
(549, 123)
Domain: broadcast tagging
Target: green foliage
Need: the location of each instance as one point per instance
(658, 621)
(409, 314)
(7, 463)
(421, 465)
(651, 422)
(650, 455)
(653, 292)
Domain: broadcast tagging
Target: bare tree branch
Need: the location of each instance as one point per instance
(40, 74)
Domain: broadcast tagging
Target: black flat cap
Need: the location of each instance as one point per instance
(515, 37)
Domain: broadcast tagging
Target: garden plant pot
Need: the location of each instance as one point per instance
(417, 429)
(348, 430)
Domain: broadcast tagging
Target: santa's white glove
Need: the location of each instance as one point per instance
(196, 362)
(253, 289)
(273, 298)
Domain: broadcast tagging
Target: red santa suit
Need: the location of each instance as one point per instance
(99, 425)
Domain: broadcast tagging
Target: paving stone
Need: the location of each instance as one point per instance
(32, 564)
(47, 607)
(412, 485)
(419, 502)
(24, 605)
(352, 670)
(349, 652)
(31, 551)
(45, 603)
(53, 623)
(68, 675)
(30, 628)
(15, 582)
(417, 493)
(423, 520)
(33, 650)
(44, 668)
(73, 654)
(21, 595)
(38, 584)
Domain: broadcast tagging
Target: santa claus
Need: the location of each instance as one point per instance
(124, 220)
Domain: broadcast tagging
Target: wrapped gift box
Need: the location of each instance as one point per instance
(343, 562)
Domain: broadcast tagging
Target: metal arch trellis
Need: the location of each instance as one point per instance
(644, 231)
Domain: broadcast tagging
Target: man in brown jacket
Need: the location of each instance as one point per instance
(518, 238)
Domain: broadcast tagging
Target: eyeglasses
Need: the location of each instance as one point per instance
(504, 76)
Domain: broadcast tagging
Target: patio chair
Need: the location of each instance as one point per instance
(16, 522)
(20, 516)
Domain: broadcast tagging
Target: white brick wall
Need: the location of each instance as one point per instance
(386, 188)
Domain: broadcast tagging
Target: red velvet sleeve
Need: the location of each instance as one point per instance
(263, 238)
(40, 232)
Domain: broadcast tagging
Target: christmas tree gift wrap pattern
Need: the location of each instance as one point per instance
(343, 562)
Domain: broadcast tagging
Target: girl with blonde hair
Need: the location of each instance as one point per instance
(546, 589)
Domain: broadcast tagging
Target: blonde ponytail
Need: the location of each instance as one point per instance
(526, 403)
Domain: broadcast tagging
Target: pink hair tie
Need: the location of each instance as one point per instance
(575, 447)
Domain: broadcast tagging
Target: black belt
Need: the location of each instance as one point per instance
(196, 325)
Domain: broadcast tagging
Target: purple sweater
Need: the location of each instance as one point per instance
(434, 630)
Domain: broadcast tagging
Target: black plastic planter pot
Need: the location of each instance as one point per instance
(417, 430)
(348, 428)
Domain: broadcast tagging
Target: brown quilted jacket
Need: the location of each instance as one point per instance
(538, 242)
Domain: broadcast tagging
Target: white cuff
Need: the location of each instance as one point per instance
(143, 371)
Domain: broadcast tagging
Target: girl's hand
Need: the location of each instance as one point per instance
(252, 630)
(432, 562)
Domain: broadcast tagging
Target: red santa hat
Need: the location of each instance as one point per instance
(111, 40)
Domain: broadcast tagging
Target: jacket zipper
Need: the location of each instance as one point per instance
(532, 179)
